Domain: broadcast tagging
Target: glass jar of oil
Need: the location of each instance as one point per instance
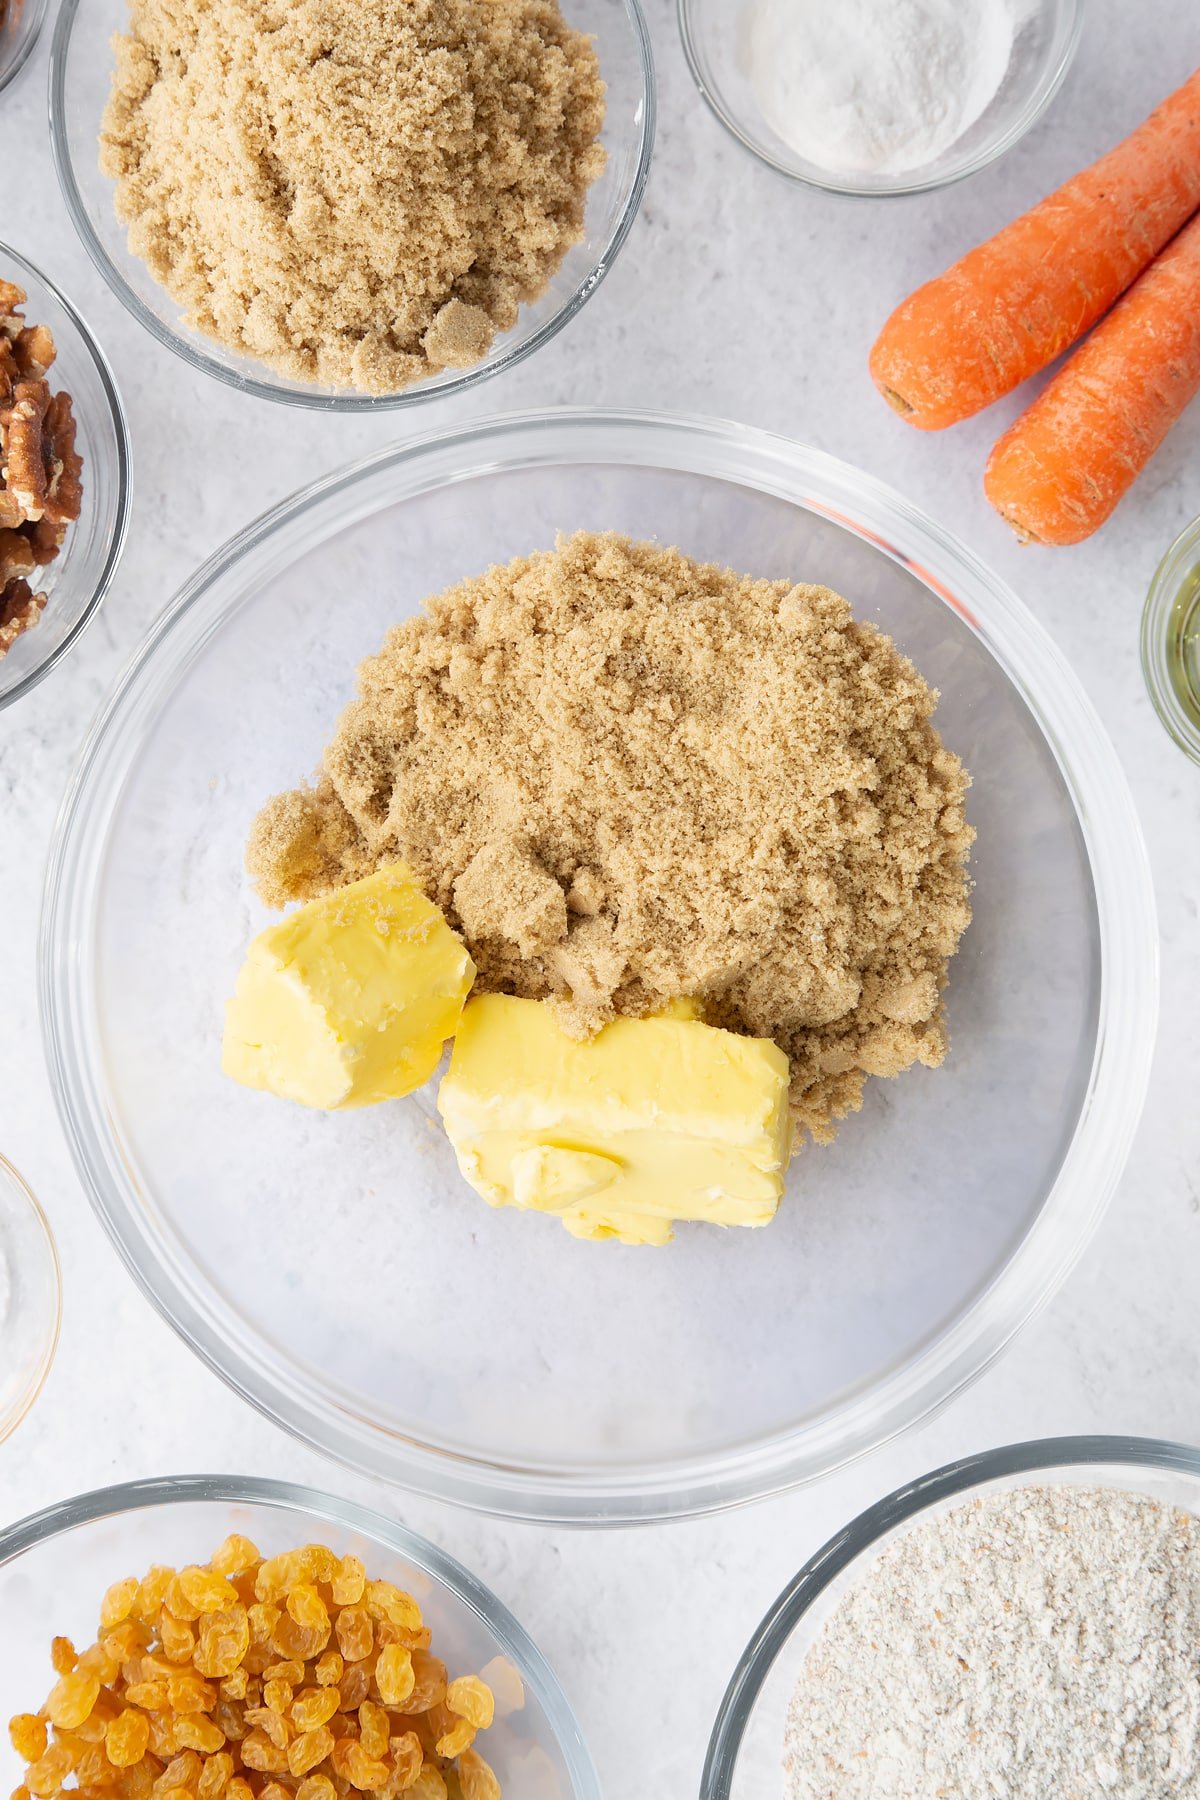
(1171, 640)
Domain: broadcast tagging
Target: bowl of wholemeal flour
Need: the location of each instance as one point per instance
(352, 207)
(1025, 1622)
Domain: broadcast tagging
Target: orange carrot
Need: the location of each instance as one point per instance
(1012, 304)
(1061, 469)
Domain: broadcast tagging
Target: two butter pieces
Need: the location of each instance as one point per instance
(351, 998)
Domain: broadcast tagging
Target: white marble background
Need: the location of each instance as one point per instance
(737, 294)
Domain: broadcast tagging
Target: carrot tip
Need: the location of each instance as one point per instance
(896, 401)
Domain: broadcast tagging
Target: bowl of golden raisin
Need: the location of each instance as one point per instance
(215, 1638)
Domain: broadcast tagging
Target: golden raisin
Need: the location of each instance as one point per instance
(239, 1789)
(28, 1734)
(429, 1683)
(263, 1620)
(351, 1762)
(315, 1706)
(182, 1771)
(308, 1609)
(62, 1655)
(354, 1686)
(94, 1769)
(176, 1602)
(71, 1699)
(48, 1773)
(407, 1756)
(224, 1640)
(277, 1575)
(476, 1778)
(205, 1591)
(189, 1693)
(151, 1592)
(272, 1723)
(385, 1601)
(429, 1785)
(309, 1749)
(472, 1700)
(349, 1582)
(150, 1695)
(459, 1738)
(291, 1672)
(215, 1775)
(274, 1790)
(394, 1675)
(316, 1787)
(118, 1602)
(127, 1739)
(234, 1685)
(329, 1669)
(178, 1639)
(259, 1753)
(194, 1732)
(373, 1729)
(234, 1556)
(355, 1636)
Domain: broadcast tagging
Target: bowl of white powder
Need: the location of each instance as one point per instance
(876, 97)
(1026, 1621)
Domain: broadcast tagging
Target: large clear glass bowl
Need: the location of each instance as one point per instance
(1044, 43)
(80, 75)
(80, 576)
(55, 1566)
(335, 1268)
(745, 1752)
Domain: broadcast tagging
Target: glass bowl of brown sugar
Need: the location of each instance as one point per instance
(336, 1269)
(81, 78)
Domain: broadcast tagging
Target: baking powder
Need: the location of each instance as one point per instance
(876, 86)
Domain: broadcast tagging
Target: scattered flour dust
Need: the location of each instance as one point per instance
(876, 86)
(1042, 1643)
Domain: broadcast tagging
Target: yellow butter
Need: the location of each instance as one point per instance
(650, 1121)
(349, 999)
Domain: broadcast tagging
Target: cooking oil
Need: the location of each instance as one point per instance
(1183, 645)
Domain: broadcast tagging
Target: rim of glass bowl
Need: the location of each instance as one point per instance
(13, 1177)
(36, 15)
(1035, 105)
(236, 1490)
(1127, 1008)
(1182, 557)
(11, 257)
(267, 389)
(1040, 1456)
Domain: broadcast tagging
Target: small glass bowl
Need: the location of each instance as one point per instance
(55, 1566)
(80, 78)
(745, 1751)
(30, 1299)
(23, 22)
(1171, 640)
(78, 579)
(1045, 40)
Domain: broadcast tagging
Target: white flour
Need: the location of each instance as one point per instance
(876, 86)
(1038, 1643)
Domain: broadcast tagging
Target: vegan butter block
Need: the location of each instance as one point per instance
(651, 1120)
(350, 999)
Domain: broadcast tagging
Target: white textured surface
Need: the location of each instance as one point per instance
(740, 295)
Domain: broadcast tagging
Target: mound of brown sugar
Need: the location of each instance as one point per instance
(359, 195)
(628, 777)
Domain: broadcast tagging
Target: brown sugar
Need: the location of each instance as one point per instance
(357, 195)
(628, 777)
